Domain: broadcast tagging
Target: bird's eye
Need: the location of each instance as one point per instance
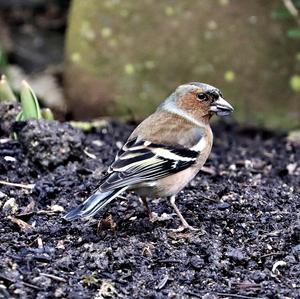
(202, 96)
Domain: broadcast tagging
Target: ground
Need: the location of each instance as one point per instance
(245, 202)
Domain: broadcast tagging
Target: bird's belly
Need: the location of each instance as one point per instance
(167, 186)
(175, 183)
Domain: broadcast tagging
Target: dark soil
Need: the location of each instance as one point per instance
(246, 204)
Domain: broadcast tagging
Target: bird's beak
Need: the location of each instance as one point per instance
(221, 107)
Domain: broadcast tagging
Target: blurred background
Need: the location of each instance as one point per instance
(121, 58)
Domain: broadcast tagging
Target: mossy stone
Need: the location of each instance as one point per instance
(124, 57)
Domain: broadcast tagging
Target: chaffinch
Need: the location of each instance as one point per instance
(164, 153)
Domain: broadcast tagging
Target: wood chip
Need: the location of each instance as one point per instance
(29, 209)
(22, 224)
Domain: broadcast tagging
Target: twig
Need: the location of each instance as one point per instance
(208, 198)
(54, 277)
(24, 186)
(22, 224)
(31, 286)
(272, 254)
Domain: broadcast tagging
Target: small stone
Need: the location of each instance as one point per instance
(258, 276)
(98, 143)
(248, 164)
(2, 195)
(296, 249)
(42, 281)
(236, 254)
(223, 205)
(59, 292)
(197, 262)
(232, 167)
(9, 159)
(57, 208)
(291, 168)
(10, 206)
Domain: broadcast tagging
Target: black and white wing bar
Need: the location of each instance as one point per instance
(142, 161)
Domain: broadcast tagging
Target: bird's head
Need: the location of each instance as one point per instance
(200, 100)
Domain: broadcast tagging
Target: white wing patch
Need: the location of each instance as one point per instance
(141, 161)
(167, 154)
(200, 145)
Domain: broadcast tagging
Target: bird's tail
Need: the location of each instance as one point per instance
(93, 204)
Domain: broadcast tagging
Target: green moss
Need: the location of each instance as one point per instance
(124, 57)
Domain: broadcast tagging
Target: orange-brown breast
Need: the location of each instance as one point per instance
(166, 128)
(167, 131)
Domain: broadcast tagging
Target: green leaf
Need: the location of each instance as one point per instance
(6, 93)
(29, 103)
(47, 114)
(20, 116)
(294, 32)
(3, 58)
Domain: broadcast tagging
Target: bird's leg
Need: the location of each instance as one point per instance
(152, 215)
(185, 225)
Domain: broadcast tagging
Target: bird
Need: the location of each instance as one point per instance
(163, 153)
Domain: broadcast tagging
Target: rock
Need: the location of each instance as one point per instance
(42, 281)
(197, 262)
(296, 249)
(236, 254)
(223, 205)
(2, 195)
(124, 57)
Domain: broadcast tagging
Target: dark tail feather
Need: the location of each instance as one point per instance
(93, 204)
